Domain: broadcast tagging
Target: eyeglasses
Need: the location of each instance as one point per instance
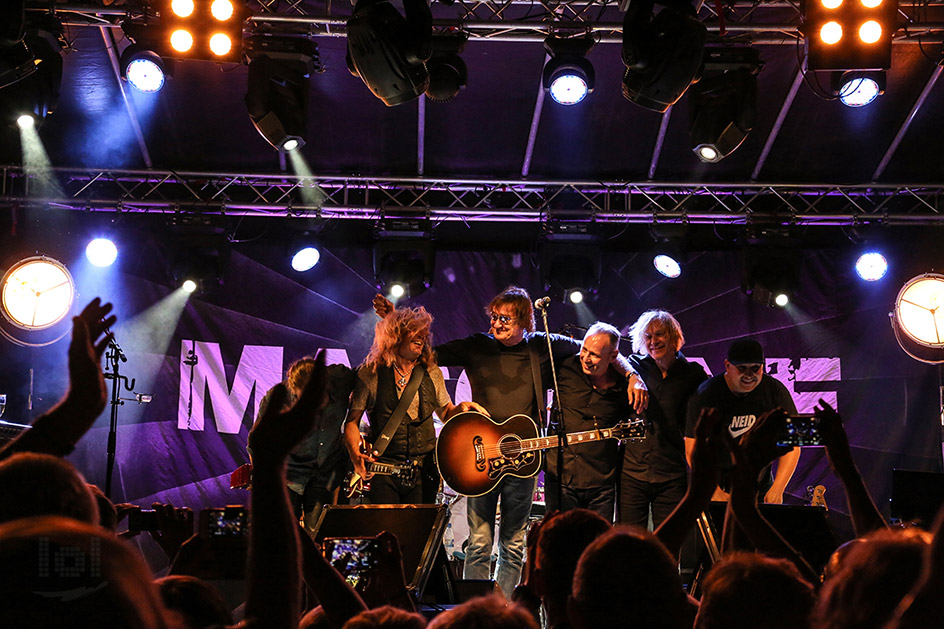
(505, 319)
(749, 368)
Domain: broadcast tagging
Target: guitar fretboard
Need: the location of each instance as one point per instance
(543, 443)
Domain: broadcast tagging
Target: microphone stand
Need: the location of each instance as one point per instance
(113, 358)
(556, 411)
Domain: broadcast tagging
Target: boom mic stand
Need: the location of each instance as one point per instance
(113, 358)
(556, 411)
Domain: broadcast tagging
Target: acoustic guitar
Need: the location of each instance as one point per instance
(473, 452)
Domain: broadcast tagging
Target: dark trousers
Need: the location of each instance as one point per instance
(600, 500)
(637, 497)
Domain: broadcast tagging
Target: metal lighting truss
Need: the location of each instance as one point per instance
(370, 198)
(774, 22)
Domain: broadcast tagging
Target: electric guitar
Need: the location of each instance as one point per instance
(354, 484)
(474, 452)
(241, 477)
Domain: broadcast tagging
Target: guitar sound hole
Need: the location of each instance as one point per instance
(509, 447)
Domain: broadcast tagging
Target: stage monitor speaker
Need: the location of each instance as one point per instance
(419, 530)
(807, 529)
(916, 495)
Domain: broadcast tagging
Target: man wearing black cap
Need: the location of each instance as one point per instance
(742, 394)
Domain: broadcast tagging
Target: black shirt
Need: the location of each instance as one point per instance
(738, 413)
(585, 407)
(660, 456)
(501, 376)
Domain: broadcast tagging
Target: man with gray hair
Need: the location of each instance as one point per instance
(592, 395)
(654, 473)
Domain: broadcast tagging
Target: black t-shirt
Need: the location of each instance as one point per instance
(738, 412)
(660, 456)
(501, 376)
(592, 464)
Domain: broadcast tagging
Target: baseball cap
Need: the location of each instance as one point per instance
(745, 352)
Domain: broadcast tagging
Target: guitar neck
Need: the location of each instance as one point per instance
(543, 443)
(384, 468)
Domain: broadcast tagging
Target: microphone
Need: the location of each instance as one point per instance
(542, 303)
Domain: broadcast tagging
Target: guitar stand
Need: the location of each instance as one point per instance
(709, 555)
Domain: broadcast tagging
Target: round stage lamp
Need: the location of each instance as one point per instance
(305, 259)
(918, 310)
(101, 252)
(189, 286)
(667, 265)
(181, 40)
(221, 9)
(568, 88)
(182, 8)
(871, 266)
(576, 296)
(397, 291)
(36, 293)
(220, 44)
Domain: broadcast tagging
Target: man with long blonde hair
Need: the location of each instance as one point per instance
(402, 346)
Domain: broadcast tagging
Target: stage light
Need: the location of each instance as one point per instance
(667, 266)
(662, 54)
(568, 75)
(397, 290)
(723, 104)
(36, 293)
(570, 264)
(871, 266)
(769, 275)
(404, 255)
(858, 89)
(101, 252)
(26, 121)
(575, 296)
(220, 44)
(35, 93)
(277, 91)
(201, 258)
(305, 259)
(182, 8)
(181, 40)
(849, 35)
(447, 71)
(388, 50)
(196, 29)
(143, 68)
(189, 286)
(221, 9)
(919, 316)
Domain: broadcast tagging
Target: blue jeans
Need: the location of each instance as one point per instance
(516, 496)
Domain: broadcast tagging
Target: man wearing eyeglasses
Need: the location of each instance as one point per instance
(509, 371)
(742, 394)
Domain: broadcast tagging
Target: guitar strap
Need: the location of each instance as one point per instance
(536, 379)
(396, 418)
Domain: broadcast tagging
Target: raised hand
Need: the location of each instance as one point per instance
(277, 432)
(175, 526)
(382, 305)
(90, 336)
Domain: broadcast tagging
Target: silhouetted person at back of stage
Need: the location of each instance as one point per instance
(750, 591)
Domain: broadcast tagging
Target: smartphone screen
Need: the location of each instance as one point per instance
(353, 557)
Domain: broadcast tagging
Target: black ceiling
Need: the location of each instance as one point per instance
(198, 122)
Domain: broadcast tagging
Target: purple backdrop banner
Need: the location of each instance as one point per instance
(835, 343)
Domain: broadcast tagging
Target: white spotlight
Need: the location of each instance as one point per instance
(189, 286)
(871, 266)
(101, 252)
(576, 296)
(397, 291)
(26, 121)
(781, 300)
(667, 266)
(305, 259)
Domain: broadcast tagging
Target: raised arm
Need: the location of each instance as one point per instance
(865, 515)
(273, 569)
(57, 431)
